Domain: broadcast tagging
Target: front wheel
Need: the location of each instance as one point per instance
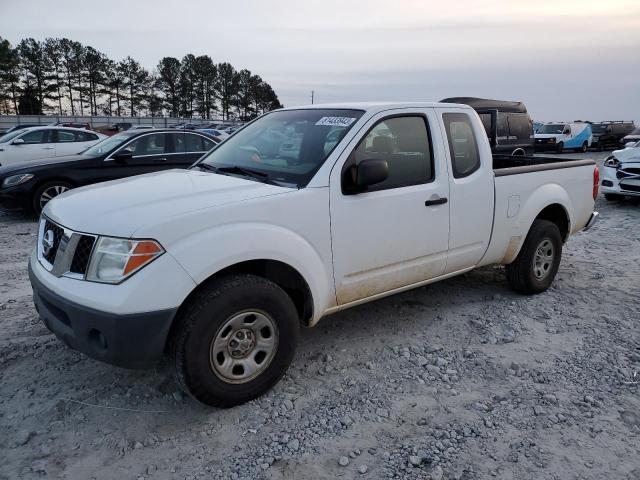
(234, 340)
(47, 192)
(536, 265)
(560, 147)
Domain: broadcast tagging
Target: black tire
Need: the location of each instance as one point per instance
(584, 147)
(560, 147)
(613, 197)
(521, 274)
(199, 324)
(37, 201)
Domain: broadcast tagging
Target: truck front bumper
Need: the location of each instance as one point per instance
(135, 340)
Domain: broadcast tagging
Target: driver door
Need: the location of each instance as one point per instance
(394, 234)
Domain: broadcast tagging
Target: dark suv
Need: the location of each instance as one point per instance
(508, 125)
(608, 135)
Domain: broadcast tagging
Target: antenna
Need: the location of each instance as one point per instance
(312, 94)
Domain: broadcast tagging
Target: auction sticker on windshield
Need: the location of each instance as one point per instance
(335, 121)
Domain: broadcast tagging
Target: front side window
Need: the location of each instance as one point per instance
(153, 144)
(403, 142)
(285, 147)
(36, 136)
(463, 148)
(194, 143)
(108, 144)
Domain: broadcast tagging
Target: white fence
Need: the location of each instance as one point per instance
(8, 121)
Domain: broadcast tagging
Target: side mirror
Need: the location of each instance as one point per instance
(567, 132)
(122, 156)
(17, 141)
(370, 172)
(629, 144)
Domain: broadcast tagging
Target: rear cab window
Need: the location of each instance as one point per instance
(463, 148)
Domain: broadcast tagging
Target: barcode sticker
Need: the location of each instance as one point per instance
(335, 121)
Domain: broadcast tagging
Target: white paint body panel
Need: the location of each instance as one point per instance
(349, 249)
(13, 154)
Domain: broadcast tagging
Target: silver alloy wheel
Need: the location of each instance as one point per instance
(51, 193)
(543, 259)
(243, 347)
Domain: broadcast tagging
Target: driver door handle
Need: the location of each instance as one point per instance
(435, 201)
(160, 160)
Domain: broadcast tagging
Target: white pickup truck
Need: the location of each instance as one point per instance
(302, 213)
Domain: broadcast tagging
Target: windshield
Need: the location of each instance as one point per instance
(286, 146)
(551, 128)
(599, 128)
(7, 137)
(108, 144)
(636, 131)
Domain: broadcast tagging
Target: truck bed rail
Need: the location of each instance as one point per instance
(509, 165)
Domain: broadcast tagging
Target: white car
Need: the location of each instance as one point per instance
(35, 143)
(220, 265)
(621, 173)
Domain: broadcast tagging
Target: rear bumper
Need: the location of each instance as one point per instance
(592, 220)
(125, 340)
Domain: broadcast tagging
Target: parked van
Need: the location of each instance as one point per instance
(564, 136)
(508, 125)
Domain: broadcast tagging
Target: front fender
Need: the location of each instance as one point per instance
(209, 251)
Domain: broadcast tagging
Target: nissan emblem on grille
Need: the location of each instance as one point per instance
(47, 242)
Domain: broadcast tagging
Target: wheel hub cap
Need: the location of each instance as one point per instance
(543, 259)
(244, 346)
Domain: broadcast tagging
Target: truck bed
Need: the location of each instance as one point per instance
(510, 165)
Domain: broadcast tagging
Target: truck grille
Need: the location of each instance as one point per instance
(58, 232)
(82, 254)
(64, 252)
(630, 188)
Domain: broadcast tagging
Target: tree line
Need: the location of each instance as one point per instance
(65, 77)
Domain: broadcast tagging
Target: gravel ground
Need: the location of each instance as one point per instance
(462, 379)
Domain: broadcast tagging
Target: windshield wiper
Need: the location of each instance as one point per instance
(247, 172)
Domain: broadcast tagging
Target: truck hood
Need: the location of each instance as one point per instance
(120, 207)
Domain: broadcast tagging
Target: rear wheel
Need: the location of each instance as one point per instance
(613, 196)
(584, 147)
(536, 265)
(234, 340)
(560, 147)
(47, 192)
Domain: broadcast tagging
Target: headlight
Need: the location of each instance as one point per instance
(115, 259)
(16, 179)
(552, 140)
(612, 162)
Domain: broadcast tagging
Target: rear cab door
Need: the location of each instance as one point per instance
(471, 186)
(394, 234)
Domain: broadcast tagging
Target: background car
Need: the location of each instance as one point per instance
(621, 173)
(214, 132)
(41, 142)
(608, 135)
(71, 124)
(632, 138)
(21, 127)
(31, 185)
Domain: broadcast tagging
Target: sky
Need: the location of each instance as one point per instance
(566, 59)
